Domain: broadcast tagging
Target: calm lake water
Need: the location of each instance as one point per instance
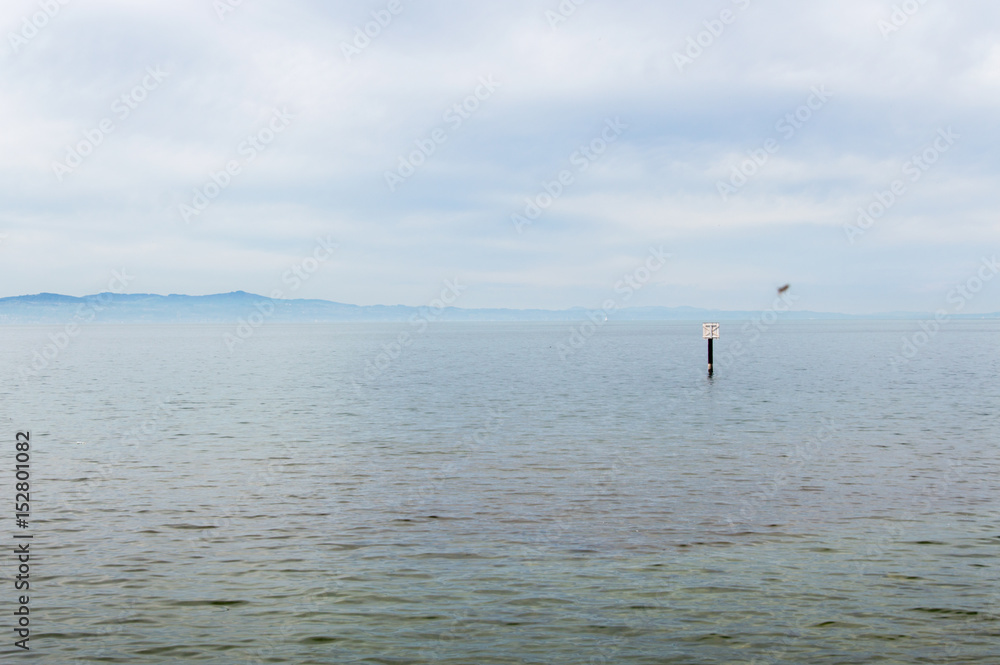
(478, 499)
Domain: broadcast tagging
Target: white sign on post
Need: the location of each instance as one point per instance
(710, 331)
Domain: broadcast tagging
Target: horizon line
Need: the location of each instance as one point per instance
(897, 314)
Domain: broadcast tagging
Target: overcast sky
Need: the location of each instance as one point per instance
(184, 84)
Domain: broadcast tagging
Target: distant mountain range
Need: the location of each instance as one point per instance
(49, 308)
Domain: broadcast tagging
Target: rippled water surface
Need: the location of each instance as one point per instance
(476, 499)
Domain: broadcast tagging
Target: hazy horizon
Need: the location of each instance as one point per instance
(781, 308)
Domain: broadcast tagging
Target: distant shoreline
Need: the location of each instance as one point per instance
(112, 308)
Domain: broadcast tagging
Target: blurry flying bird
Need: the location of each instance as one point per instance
(784, 288)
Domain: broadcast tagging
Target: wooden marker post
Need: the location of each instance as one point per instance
(710, 331)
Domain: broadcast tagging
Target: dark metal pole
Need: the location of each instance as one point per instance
(710, 363)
